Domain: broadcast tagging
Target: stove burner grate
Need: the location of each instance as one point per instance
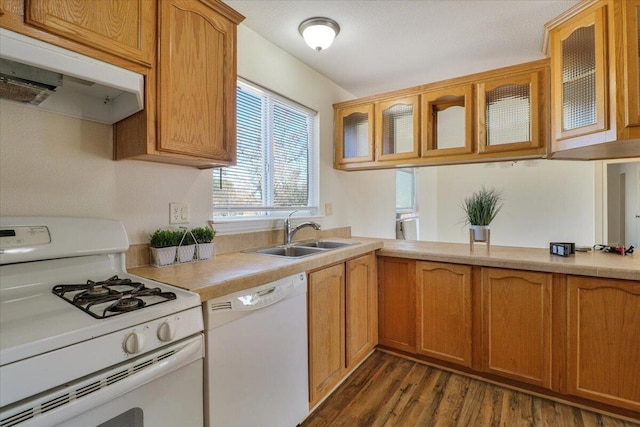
(122, 295)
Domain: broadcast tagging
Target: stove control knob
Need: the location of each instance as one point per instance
(166, 331)
(134, 343)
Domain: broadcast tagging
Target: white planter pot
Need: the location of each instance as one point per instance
(163, 256)
(205, 250)
(186, 252)
(480, 232)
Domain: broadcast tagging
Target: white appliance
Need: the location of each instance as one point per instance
(84, 343)
(257, 366)
(62, 81)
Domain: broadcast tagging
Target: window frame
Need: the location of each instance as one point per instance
(273, 216)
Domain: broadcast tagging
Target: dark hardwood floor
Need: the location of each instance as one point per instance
(387, 390)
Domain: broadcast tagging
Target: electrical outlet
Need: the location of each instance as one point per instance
(178, 213)
(328, 209)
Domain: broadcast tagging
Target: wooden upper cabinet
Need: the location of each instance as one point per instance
(443, 295)
(196, 92)
(579, 70)
(631, 23)
(113, 26)
(361, 308)
(190, 106)
(397, 128)
(604, 341)
(595, 86)
(516, 325)
(511, 115)
(354, 134)
(447, 121)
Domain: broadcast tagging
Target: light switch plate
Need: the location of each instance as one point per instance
(178, 213)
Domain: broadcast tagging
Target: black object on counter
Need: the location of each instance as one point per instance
(562, 249)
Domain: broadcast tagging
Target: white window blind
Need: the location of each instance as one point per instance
(277, 153)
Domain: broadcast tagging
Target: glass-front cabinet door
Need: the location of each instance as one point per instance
(509, 113)
(579, 75)
(354, 134)
(631, 15)
(397, 128)
(447, 121)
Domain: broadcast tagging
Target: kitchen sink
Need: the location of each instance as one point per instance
(288, 251)
(302, 249)
(325, 244)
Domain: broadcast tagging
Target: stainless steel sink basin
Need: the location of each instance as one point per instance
(289, 251)
(302, 249)
(325, 244)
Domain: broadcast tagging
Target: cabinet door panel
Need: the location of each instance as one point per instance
(326, 330)
(361, 308)
(509, 112)
(579, 82)
(397, 303)
(516, 307)
(197, 81)
(397, 129)
(604, 341)
(447, 121)
(444, 311)
(118, 27)
(632, 61)
(354, 134)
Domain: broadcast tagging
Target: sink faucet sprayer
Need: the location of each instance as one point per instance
(289, 233)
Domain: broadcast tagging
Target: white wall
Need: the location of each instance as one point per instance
(57, 165)
(354, 196)
(544, 201)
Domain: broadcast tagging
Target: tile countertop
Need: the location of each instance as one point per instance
(237, 271)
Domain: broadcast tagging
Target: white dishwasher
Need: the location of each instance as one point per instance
(256, 360)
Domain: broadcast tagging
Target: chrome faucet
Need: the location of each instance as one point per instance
(289, 233)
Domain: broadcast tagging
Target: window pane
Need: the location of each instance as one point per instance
(242, 184)
(405, 190)
(290, 157)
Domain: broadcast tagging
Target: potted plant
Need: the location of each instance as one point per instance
(186, 246)
(163, 246)
(480, 209)
(204, 239)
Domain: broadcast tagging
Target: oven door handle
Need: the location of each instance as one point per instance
(134, 373)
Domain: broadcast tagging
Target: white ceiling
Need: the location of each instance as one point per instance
(386, 45)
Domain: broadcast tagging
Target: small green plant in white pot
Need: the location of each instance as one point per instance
(204, 239)
(480, 209)
(186, 246)
(163, 246)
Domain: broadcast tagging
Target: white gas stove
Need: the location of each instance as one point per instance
(70, 314)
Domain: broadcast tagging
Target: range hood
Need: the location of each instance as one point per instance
(62, 81)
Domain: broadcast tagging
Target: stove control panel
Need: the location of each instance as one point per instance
(134, 343)
(19, 236)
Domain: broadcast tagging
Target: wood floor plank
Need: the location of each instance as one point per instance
(390, 391)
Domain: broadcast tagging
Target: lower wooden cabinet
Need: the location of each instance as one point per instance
(604, 341)
(443, 311)
(326, 330)
(516, 325)
(397, 303)
(361, 308)
(578, 337)
(342, 321)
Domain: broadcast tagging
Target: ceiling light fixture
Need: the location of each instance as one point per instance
(319, 33)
